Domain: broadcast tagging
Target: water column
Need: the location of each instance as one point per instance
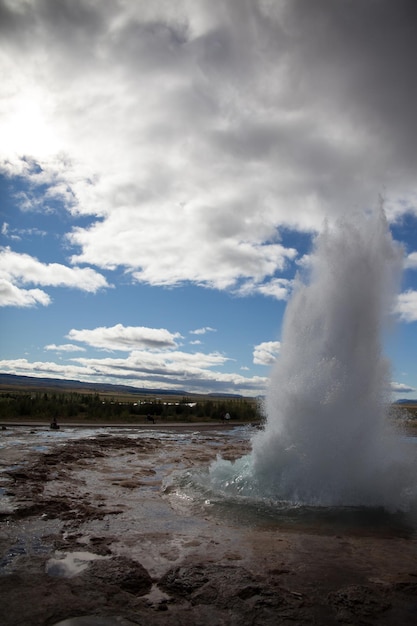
(327, 439)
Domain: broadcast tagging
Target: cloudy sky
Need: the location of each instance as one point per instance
(164, 167)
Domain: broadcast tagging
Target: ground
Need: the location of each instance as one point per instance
(96, 527)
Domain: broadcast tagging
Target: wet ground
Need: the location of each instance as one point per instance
(97, 528)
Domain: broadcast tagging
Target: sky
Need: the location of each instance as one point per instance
(166, 166)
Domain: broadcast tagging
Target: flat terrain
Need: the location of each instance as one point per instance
(97, 526)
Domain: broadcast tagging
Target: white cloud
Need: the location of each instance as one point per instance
(401, 388)
(266, 352)
(47, 369)
(411, 261)
(20, 269)
(126, 338)
(11, 295)
(407, 306)
(203, 331)
(304, 261)
(161, 363)
(181, 371)
(247, 116)
(65, 347)
(278, 288)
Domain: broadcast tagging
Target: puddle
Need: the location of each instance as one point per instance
(24, 545)
(116, 493)
(69, 564)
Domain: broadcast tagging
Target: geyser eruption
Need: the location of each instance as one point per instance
(327, 439)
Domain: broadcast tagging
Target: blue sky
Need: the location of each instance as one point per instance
(164, 168)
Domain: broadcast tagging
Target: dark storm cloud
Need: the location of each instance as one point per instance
(360, 56)
(213, 121)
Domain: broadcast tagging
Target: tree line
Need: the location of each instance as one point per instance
(78, 406)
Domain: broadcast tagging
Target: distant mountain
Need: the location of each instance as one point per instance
(405, 401)
(32, 381)
(224, 395)
(13, 380)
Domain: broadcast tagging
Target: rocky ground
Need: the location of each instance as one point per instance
(95, 529)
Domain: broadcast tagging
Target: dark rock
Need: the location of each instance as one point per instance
(359, 602)
(120, 572)
(406, 587)
(230, 588)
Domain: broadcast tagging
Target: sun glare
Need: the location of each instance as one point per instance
(29, 132)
